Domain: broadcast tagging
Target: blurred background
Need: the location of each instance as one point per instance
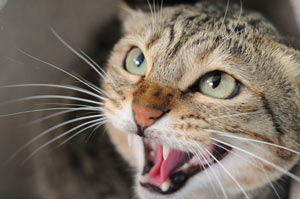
(24, 25)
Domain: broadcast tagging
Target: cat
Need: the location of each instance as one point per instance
(201, 99)
(204, 94)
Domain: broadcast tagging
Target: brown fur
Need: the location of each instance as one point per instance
(182, 44)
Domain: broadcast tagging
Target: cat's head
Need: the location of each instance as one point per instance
(208, 96)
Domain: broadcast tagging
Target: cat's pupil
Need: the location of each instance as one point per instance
(139, 60)
(215, 80)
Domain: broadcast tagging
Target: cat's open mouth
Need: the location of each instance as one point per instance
(166, 170)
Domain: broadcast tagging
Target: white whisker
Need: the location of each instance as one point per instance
(152, 15)
(270, 181)
(58, 137)
(47, 132)
(214, 173)
(251, 163)
(94, 130)
(196, 154)
(36, 97)
(296, 178)
(224, 134)
(155, 14)
(226, 11)
(98, 124)
(234, 115)
(40, 110)
(68, 104)
(75, 51)
(85, 82)
(161, 14)
(56, 86)
(61, 113)
(232, 31)
(104, 74)
(228, 173)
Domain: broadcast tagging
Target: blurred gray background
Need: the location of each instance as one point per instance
(24, 24)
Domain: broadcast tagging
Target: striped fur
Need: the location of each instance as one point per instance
(181, 44)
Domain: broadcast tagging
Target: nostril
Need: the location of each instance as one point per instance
(140, 131)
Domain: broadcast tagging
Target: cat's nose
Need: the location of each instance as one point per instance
(145, 116)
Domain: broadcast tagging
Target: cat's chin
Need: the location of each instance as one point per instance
(167, 170)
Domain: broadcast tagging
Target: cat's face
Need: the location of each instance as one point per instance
(208, 102)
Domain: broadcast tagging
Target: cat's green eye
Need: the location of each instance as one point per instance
(135, 62)
(218, 84)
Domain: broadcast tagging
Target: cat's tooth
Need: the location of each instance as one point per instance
(186, 166)
(152, 153)
(145, 178)
(166, 151)
(153, 145)
(130, 138)
(165, 186)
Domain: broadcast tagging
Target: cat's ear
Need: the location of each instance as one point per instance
(294, 46)
(147, 5)
(294, 43)
(293, 62)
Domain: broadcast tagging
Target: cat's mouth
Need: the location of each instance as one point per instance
(167, 170)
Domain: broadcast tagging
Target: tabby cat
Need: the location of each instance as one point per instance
(202, 100)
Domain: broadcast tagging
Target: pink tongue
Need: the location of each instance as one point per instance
(162, 169)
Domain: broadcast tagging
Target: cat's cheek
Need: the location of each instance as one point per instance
(119, 139)
(133, 154)
(121, 119)
(119, 126)
(262, 172)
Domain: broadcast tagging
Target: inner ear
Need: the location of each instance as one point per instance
(145, 4)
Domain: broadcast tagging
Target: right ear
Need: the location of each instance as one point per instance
(294, 43)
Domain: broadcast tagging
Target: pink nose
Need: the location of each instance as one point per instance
(145, 116)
